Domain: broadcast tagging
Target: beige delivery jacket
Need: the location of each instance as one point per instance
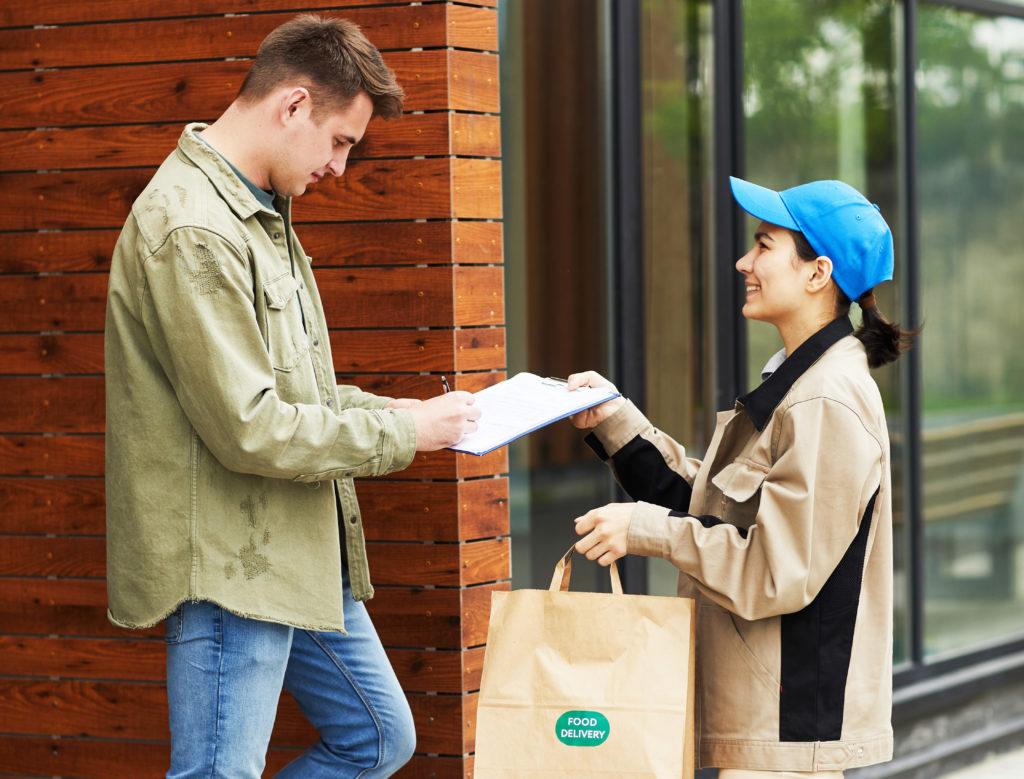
(783, 535)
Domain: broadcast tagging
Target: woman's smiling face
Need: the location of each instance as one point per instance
(774, 275)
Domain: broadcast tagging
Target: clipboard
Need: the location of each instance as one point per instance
(518, 406)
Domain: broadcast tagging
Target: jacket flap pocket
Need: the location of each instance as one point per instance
(280, 290)
(739, 481)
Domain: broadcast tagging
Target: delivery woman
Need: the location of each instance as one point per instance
(783, 533)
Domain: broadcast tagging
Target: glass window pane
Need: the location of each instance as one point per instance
(676, 62)
(821, 101)
(970, 82)
(553, 170)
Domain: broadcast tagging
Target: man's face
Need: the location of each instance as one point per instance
(312, 150)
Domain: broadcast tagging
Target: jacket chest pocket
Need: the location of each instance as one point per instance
(286, 337)
(739, 484)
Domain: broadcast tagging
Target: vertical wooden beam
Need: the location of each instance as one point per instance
(465, 504)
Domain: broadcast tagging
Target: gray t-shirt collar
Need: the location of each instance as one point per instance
(266, 199)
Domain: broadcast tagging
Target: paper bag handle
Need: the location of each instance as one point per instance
(563, 572)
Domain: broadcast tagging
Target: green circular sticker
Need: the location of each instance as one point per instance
(582, 728)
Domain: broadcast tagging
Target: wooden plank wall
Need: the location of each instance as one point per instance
(408, 247)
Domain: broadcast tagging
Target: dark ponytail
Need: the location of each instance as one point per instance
(884, 341)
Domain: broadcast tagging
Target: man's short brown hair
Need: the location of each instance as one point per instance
(332, 57)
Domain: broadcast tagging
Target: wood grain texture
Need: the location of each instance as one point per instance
(443, 617)
(437, 767)
(437, 242)
(147, 145)
(63, 353)
(434, 80)
(478, 242)
(364, 351)
(476, 189)
(438, 511)
(352, 298)
(83, 758)
(475, 135)
(472, 28)
(479, 295)
(451, 565)
(472, 81)
(52, 405)
(217, 37)
(64, 11)
(418, 670)
(39, 455)
(445, 724)
(370, 189)
(58, 506)
(84, 658)
(397, 512)
(330, 244)
(65, 607)
(412, 297)
(82, 455)
(41, 556)
(61, 302)
(407, 189)
(454, 465)
(89, 759)
(423, 670)
(418, 385)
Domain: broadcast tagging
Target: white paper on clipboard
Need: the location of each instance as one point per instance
(522, 404)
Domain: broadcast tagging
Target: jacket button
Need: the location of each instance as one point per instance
(314, 485)
(277, 236)
(330, 403)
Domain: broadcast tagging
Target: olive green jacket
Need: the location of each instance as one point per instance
(228, 444)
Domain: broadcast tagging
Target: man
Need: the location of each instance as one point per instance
(231, 512)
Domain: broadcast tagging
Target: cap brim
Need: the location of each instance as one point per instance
(763, 203)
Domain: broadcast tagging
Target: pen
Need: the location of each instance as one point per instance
(444, 384)
(554, 381)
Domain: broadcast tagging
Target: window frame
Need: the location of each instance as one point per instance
(919, 678)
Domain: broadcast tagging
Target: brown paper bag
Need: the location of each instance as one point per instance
(586, 684)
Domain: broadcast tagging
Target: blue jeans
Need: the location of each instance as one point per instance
(224, 678)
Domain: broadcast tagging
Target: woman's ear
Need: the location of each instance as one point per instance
(821, 275)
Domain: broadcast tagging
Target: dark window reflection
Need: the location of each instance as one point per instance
(554, 168)
(970, 116)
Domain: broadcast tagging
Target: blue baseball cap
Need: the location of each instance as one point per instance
(837, 221)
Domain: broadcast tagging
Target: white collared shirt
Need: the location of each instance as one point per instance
(773, 364)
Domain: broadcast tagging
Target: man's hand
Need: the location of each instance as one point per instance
(403, 403)
(444, 420)
(592, 417)
(606, 530)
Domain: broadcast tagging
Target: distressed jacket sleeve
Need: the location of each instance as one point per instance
(197, 306)
(813, 501)
(648, 464)
(350, 396)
